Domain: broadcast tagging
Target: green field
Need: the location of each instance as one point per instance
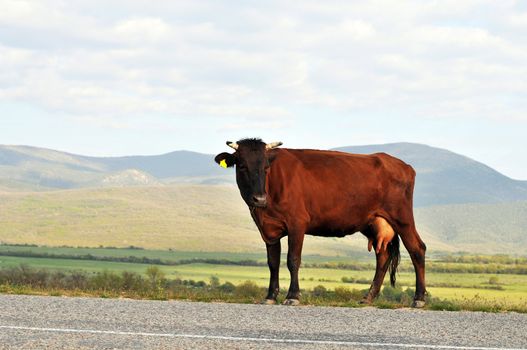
(509, 288)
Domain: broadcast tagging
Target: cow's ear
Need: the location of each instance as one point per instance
(225, 160)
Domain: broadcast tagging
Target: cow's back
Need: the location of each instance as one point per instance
(341, 192)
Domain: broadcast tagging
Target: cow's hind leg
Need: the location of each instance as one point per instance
(273, 260)
(380, 235)
(417, 249)
(380, 272)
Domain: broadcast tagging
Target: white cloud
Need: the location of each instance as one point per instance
(142, 30)
(202, 58)
(518, 19)
(262, 125)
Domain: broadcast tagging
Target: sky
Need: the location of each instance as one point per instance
(127, 77)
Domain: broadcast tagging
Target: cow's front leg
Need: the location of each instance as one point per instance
(273, 260)
(293, 264)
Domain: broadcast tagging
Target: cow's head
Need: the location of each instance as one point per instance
(252, 159)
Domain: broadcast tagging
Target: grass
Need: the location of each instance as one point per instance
(451, 286)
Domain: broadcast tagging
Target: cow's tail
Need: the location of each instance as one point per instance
(394, 256)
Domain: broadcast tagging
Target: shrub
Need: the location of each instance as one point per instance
(320, 291)
(444, 305)
(494, 280)
(358, 295)
(214, 282)
(201, 284)
(106, 281)
(343, 294)
(397, 295)
(227, 287)
(391, 294)
(77, 280)
(155, 276)
(363, 281)
(56, 280)
(248, 289)
(24, 275)
(132, 281)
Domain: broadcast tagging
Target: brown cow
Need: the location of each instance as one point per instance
(293, 192)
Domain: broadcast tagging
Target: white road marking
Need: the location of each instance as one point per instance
(249, 339)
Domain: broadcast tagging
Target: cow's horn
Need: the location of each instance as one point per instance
(273, 145)
(232, 145)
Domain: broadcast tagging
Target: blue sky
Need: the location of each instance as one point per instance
(139, 77)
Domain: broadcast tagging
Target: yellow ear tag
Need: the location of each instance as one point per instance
(223, 164)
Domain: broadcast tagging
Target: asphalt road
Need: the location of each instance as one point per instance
(29, 322)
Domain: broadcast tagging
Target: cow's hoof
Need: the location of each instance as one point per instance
(291, 302)
(268, 302)
(418, 304)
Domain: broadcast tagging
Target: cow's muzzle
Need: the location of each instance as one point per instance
(260, 201)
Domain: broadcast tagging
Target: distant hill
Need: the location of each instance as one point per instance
(169, 165)
(493, 228)
(443, 177)
(32, 168)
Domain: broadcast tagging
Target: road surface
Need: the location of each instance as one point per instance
(28, 322)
